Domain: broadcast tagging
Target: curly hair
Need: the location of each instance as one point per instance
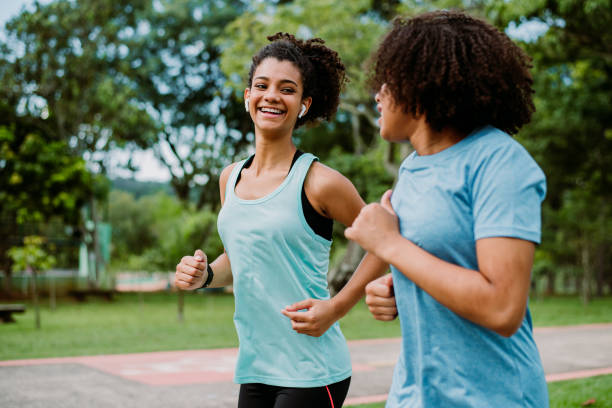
(459, 71)
(323, 73)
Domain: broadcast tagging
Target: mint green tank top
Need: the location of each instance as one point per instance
(278, 260)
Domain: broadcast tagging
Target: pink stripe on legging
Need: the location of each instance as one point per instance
(330, 398)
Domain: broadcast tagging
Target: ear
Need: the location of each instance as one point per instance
(247, 93)
(306, 102)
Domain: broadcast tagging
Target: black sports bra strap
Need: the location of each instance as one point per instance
(321, 225)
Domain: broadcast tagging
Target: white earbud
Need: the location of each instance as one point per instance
(246, 104)
(303, 111)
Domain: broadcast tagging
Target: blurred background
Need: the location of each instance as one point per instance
(117, 117)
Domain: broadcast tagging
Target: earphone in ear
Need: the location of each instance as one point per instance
(303, 111)
(246, 104)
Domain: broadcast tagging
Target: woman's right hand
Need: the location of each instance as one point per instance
(191, 271)
(380, 298)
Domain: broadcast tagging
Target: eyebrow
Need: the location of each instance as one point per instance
(282, 80)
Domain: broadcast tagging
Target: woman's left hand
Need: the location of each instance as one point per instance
(311, 316)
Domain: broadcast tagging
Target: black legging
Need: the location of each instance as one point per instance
(270, 396)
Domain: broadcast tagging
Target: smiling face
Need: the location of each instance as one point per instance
(275, 96)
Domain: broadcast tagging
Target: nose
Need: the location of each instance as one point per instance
(271, 94)
(383, 88)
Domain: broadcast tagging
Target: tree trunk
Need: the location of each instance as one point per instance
(7, 281)
(52, 302)
(587, 273)
(341, 274)
(550, 283)
(96, 244)
(35, 296)
(600, 269)
(181, 305)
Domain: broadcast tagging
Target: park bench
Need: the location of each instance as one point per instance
(6, 312)
(82, 294)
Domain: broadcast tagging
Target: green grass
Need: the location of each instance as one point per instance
(127, 325)
(573, 393)
(566, 394)
(569, 310)
(134, 323)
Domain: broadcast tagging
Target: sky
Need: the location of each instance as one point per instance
(9, 8)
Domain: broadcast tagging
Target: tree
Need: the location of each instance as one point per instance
(39, 180)
(155, 231)
(132, 75)
(64, 61)
(175, 70)
(571, 132)
(31, 257)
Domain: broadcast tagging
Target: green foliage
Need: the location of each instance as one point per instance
(139, 188)
(69, 71)
(352, 30)
(39, 177)
(31, 255)
(568, 134)
(154, 232)
(367, 171)
(131, 75)
(174, 68)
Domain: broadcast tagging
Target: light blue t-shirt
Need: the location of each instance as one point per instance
(277, 260)
(486, 185)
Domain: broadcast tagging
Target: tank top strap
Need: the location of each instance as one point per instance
(231, 181)
(302, 165)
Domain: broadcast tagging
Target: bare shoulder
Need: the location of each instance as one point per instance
(226, 173)
(322, 177)
(330, 192)
(223, 179)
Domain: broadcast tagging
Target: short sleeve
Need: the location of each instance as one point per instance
(508, 188)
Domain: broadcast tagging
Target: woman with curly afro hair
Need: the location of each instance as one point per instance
(276, 219)
(461, 225)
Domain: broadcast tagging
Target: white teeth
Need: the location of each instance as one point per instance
(270, 110)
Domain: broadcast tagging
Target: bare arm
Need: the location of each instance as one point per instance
(495, 296)
(334, 195)
(191, 272)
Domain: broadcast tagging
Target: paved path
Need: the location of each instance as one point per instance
(202, 378)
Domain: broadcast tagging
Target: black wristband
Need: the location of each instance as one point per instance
(210, 276)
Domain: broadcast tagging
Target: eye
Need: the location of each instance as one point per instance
(259, 86)
(288, 90)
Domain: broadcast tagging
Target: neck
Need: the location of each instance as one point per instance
(426, 140)
(272, 154)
